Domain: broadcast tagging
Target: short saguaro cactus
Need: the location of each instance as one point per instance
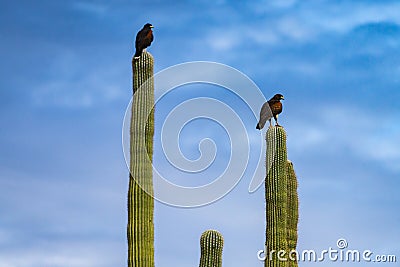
(211, 244)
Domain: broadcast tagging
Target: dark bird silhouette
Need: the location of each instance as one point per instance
(270, 109)
(143, 39)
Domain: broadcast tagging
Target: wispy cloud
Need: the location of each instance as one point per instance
(82, 93)
(66, 87)
(95, 8)
(363, 133)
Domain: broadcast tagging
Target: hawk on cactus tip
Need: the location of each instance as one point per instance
(270, 110)
(143, 39)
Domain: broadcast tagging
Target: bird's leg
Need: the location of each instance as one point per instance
(276, 120)
(270, 123)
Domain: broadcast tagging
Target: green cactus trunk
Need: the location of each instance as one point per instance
(281, 202)
(293, 214)
(140, 229)
(276, 197)
(211, 244)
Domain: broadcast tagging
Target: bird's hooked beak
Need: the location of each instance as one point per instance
(151, 26)
(282, 98)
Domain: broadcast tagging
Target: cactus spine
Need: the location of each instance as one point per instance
(281, 201)
(211, 244)
(140, 228)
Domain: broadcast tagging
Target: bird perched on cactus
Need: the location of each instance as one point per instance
(270, 109)
(143, 39)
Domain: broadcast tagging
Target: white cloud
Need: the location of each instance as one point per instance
(65, 254)
(75, 94)
(263, 6)
(344, 17)
(90, 7)
(222, 41)
(310, 20)
(73, 83)
(360, 132)
(56, 222)
(62, 94)
(294, 29)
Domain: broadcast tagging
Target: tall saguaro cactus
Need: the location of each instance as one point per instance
(140, 229)
(211, 244)
(276, 196)
(281, 202)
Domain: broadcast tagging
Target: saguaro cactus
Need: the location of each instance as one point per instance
(281, 202)
(211, 244)
(276, 196)
(140, 229)
(293, 213)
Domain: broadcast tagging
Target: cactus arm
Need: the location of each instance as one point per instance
(293, 212)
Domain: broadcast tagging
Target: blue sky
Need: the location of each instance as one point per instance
(66, 82)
